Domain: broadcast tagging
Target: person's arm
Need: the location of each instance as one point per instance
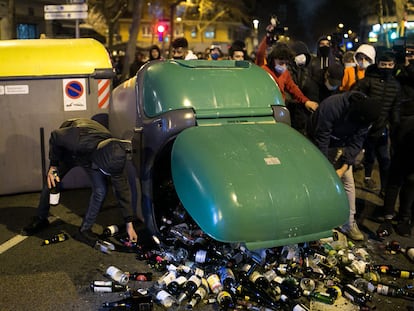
(123, 195)
(261, 52)
(297, 94)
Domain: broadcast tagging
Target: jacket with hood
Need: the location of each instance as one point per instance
(300, 74)
(318, 68)
(353, 74)
(76, 143)
(386, 90)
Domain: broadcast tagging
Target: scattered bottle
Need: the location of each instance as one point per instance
(109, 231)
(175, 286)
(57, 238)
(117, 275)
(225, 301)
(322, 297)
(201, 293)
(141, 276)
(54, 192)
(107, 287)
(134, 301)
(394, 272)
(189, 288)
(104, 246)
(165, 299)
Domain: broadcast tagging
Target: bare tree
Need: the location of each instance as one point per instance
(107, 12)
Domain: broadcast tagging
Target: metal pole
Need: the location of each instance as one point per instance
(77, 28)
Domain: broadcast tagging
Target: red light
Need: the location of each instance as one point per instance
(161, 28)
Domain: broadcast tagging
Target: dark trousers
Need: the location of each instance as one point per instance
(377, 148)
(99, 190)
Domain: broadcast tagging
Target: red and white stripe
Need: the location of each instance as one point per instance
(104, 88)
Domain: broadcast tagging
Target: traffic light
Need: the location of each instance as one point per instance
(161, 29)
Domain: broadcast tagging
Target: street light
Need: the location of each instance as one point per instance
(256, 32)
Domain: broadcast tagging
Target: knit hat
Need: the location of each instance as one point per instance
(363, 109)
(111, 154)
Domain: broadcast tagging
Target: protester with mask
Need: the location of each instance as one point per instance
(215, 53)
(319, 66)
(277, 62)
(299, 70)
(338, 128)
(401, 175)
(180, 49)
(380, 84)
(363, 57)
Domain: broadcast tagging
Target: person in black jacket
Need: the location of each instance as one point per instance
(380, 84)
(88, 144)
(339, 128)
(401, 173)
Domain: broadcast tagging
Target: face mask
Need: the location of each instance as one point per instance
(280, 69)
(300, 60)
(364, 64)
(324, 51)
(214, 56)
(386, 72)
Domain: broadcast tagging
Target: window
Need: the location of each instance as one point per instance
(210, 33)
(26, 31)
(193, 32)
(146, 30)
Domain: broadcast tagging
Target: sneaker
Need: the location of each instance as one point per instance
(87, 237)
(404, 228)
(353, 232)
(369, 183)
(36, 225)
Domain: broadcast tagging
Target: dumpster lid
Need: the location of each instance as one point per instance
(47, 57)
(264, 185)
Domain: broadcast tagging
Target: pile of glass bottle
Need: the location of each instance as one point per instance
(197, 270)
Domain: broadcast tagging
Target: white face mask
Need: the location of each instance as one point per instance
(300, 60)
(364, 64)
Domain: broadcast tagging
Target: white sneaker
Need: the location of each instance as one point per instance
(352, 231)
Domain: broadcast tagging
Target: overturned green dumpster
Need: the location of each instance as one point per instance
(213, 139)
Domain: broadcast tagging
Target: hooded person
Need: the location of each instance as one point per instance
(154, 52)
(299, 71)
(320, 64)
(363, 57)
(339, 128)
(85, 143)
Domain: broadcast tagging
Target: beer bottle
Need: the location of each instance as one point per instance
(60, 237)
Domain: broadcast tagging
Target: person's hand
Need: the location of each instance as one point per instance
(341, 171)
(311, 105)
(133, 237)
(51, 177)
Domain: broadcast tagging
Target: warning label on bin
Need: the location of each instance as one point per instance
(74, 97)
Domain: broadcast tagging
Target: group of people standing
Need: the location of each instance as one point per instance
(360, 104)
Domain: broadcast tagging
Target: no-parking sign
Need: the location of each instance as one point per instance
(74, 97)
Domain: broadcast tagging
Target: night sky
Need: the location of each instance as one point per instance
(307, 20)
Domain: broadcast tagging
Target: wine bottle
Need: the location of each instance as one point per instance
(117, 275)
(54, 192)
(107, 287)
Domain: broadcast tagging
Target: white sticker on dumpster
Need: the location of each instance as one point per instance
(1, 90)
(272, 161)
(74, 98)
(16, 89)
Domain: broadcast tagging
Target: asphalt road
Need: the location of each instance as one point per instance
(57, 277)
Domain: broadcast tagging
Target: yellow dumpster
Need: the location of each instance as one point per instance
(42, 83)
